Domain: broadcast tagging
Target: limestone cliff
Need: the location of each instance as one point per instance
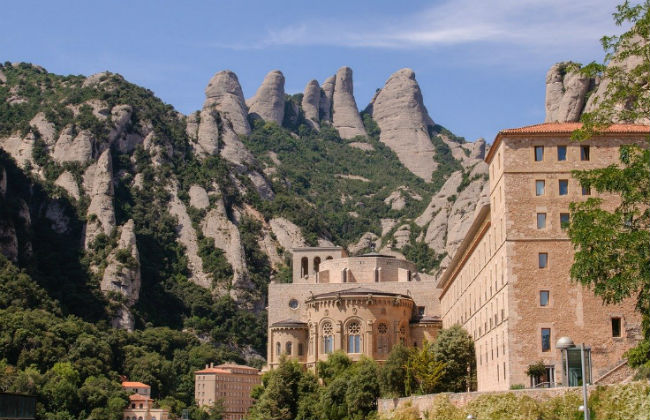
(98, 183)
(311, 104)
(566, 89)
(345, 114)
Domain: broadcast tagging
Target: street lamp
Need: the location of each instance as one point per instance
(564, 344)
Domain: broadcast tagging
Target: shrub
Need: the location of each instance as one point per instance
(563, 407)
(406, 412)
(443, 409)
(621, 402)
(504, 406)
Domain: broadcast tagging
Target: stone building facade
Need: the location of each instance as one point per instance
(509, 282)
(361, 305)
(230, 383)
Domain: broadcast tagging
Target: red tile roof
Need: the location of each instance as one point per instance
(211, 370)
(138, 397)
(134, 385)
(565, 128)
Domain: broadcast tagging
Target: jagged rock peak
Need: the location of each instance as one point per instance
(224, 93)
(346, 118)
(403, 120)
(311, 104)
(566, 90)
(268, 102)
(326, 99)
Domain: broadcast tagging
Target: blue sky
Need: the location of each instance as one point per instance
(481, 65)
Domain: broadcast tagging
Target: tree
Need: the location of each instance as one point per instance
(455, 348)
(424, 370)
(280, 396)
(363, 389)
(613, 245)
(392, 375)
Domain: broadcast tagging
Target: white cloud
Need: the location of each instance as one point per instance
(532, 23)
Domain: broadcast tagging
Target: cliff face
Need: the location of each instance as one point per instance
(152, 204)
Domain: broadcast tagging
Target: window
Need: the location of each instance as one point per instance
(293, 304)
(586, 190)
(543, 298)
(546, 339)
(539, 187)
(328, 338)
(561, 153)
(543, 259)
(288, 347)
(616, 327)
(564, 186)
(539, 153)
(584, 152)
(541, 220)
(299, 349)
(564, 220)
(382, 339)
(344, 275)
(278, 349)
(354, 337)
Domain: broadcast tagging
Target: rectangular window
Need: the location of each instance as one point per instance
(541, 220)
(616, 327)
(329, 344)
(543, 259)
(561, 153)
(543, 298)
(564, 186)
(584, 152)
(586, 190)
(564, 220)
(546, 339)
(539, 153)
(539, 187)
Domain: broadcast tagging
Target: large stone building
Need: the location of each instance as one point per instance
(509, 285)
(361, 305)
(230, 383)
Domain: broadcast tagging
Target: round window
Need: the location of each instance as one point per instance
(293, 304)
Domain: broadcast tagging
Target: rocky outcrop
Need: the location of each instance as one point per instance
(288, 234)
(122, 275)
(188, 238)
(311, 103)
(402, 117)
(55, 213)
(46, 129)
(3, 77)
(462, 213)
(95, 79)
(98, 182)
(73, 148)
(207, 132)
(120, 118)
(192, 125)
(67, 182)
(397, 199)
(345, 114)
(268, 102)
(566, 89)
(20, 148)
(225, 94)
(199, 197)
(367, 240)
(225, 234)
(326, 99)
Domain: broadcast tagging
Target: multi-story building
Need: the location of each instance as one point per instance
(230, 383)
(509, 282)
(140, 403)
(361, 305)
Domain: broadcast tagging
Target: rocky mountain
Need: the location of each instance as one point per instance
(151, 209)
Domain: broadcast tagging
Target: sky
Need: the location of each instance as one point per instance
(481, 64)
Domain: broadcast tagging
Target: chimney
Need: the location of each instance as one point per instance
(206, 365)
(211, 364)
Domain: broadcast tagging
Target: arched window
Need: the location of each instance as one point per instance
(328, 258)
(140, 405)
(140, 418)
(344, 275)
(328, 337)
(278, 348)
(304, 267)
(354, 337)
(377, 274)
(382, 338)
(316, 264)
(402, 335)
(288, 347)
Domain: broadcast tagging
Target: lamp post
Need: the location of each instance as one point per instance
(565, 343)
